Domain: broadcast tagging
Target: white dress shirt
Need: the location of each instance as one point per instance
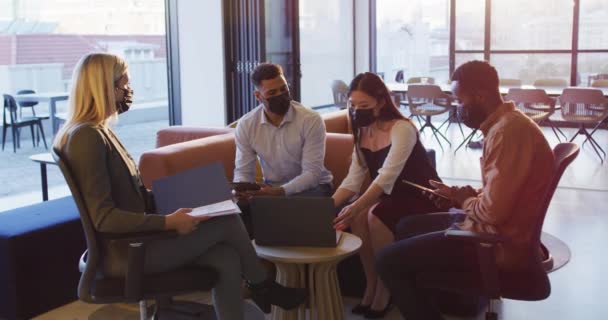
(291, 155)
(403, 137)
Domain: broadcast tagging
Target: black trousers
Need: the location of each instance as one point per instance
(421, 246)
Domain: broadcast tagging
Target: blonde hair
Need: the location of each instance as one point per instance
(92, 97)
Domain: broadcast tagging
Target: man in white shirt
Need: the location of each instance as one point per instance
(286, 137)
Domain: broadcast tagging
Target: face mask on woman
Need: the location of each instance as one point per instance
(127, 99)
(362, 117)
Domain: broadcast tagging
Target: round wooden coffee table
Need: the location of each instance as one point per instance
(294, 263)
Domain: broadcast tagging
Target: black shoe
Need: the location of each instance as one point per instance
(270, 292)
(360, 309)
(377, 314)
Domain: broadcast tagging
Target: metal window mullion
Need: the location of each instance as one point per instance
(575, 30)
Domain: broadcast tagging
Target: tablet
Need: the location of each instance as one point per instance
(245, 186)
(423, 188)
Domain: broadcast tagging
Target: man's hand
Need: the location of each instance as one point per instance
(459, 195)
(456, 195)
(267, 190)
(440, 202)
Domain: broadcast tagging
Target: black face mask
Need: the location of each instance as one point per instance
(471, 115)
(362, 117)
(124, 105)
(279, 104)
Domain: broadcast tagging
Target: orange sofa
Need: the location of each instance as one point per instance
(181, 148)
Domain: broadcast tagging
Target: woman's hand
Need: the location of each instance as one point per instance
(346, 216)
(182, 222)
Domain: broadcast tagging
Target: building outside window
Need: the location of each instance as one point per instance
(40, 43)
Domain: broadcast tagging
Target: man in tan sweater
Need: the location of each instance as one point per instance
(517, 168)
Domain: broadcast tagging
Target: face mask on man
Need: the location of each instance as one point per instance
(124, 105)
(362, 117)
(279, 104)
(471, 115)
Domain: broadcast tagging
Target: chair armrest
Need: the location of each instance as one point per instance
(475, 237)
(136, 257)
(486, 255)
(139, 237)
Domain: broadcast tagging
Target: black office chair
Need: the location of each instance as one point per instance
(32, 105)
(530, 283)
(135, 286)
(15, 123)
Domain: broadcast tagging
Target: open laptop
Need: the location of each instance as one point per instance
(192, 188)
(294, 221)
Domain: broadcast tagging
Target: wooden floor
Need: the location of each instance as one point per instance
(578, 215)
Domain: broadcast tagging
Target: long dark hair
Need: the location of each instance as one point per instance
(373, 86)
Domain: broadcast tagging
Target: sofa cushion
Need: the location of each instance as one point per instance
(39, 250)
(171, 159)
(336, 122)
(177, 134)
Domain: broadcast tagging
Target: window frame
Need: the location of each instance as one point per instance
(487, 51)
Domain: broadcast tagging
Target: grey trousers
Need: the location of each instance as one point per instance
(221, 243)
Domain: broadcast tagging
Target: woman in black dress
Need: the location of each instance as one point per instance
(387, 150)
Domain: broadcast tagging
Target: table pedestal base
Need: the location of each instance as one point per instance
(325, 300)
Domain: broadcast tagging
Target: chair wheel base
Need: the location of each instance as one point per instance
(491, 316)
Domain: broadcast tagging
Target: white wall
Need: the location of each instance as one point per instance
(362, 36)
(201, 56)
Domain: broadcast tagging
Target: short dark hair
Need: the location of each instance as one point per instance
(265, 71)
(476, 74)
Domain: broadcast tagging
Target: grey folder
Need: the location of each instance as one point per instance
(192, 188)
(293, 221)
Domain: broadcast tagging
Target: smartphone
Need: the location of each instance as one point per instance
(245, 186)
(423, 188)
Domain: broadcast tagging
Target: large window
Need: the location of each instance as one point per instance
(593, 25)
(40, 43)
(524, 39)
(530, 25)
(326, 48)
(412, 39)
(45, 38)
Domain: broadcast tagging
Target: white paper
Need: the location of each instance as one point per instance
(216, 209)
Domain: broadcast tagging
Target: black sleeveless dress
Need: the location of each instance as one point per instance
(404, 199)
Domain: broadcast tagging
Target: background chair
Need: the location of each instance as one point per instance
(339, 90)
(399, 77)
(585, 106)
(414, 80)
(10, 119)
(509, 82)
(537, 105)
(530, 283)
(550, 82)
(600, 83)
(601, 76)
(135, 286)
(31, 105)
(427, 100)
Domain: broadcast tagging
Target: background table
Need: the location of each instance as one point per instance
(293, 264)
(51, 98)
(43, 159)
